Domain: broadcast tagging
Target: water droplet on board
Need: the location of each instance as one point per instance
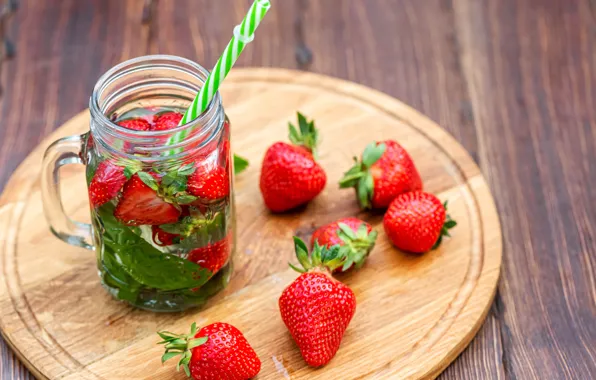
(279, 366)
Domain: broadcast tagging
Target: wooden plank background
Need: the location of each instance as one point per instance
(512, 80)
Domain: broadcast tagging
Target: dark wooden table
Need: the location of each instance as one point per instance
(512, 80)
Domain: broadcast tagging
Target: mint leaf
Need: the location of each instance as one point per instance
(148, 180)
(240, 164)
(142, 262)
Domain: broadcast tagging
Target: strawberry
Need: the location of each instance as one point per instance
(163, 238)
(417, 221)
(137, 124)
(213, 256)
(290, 176)
(140, 203)
(106, 183)
(217, 351)
(166, 120)
(209, 183)
(316, 308)
(353, 233)
(385, 171)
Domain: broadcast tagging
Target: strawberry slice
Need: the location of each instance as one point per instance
(106, 183)
(137, 124)
(161, 237)
(209, 183)
(140, 205)
(166, 120)
(213, 256)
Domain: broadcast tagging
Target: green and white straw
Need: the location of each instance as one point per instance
(243, 35)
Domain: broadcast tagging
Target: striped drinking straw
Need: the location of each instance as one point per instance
(243, 34)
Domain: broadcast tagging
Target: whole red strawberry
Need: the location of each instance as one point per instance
(106, 183)
(137, 124)
(316, 308)
(213, 256)
(216, 352)
(354, 234)
(140, 203)
(417, 221)
(385, 171)
(290, 176)
(166, 120)
(210, 183)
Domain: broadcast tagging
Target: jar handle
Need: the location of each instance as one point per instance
(62, 152)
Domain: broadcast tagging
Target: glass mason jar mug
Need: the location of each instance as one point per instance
(162, 214)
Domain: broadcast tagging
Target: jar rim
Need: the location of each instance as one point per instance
(150, 62)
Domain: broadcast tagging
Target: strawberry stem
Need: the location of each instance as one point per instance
(321, 257)
(305, 135)
(180, 345)
(358, 244)
(359, 175)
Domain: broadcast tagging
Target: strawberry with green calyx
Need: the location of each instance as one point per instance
(141, 205)
(385, 171)
(290, 175)
(356, 235)
(417, 221)
(172, 187)
(106, 183)
(216, 351)
(316, 308)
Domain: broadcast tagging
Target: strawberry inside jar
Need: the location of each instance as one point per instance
(162, 214)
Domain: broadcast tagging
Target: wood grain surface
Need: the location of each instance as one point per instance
(422, 309)
(512, 80)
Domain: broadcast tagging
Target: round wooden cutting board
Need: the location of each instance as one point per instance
(415, 313)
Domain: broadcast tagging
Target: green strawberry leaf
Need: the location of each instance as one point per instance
(364, 191)
(148, 180)
(294, 134)
(362, 232)
(187, 170)
(169, 355)
(450, 224)
(372, 153)
(240, 164)
(185, 199)
(305, 135)
(197, 342)
(302, 253)
(352, 176)
(129, 171)
(347, 265)
(347, 231)
(168, 179)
